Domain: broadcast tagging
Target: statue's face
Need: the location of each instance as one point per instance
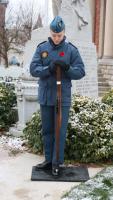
(57, 37)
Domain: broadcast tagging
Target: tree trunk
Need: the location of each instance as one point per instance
(6, 60)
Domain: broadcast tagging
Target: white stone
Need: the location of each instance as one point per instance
(26, 90)
(71, 20)
(37, 36)
(11, 73)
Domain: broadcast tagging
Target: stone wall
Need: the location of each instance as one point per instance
(105, 76)
(106, 66)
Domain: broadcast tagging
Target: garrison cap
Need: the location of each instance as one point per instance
(57, 25)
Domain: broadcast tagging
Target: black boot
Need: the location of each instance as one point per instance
(44, 165)
(55, 170)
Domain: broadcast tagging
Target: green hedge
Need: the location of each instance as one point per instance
(8, 115)
(32, 133)
(108, 98)
(89, 133)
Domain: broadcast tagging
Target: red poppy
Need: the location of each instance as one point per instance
(61, 53)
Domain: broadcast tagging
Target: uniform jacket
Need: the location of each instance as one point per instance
(47, 52)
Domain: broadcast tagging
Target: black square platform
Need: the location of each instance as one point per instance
(67, 174)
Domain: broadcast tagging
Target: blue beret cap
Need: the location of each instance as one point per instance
(57, 25)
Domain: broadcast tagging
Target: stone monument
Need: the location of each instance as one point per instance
(79, 32)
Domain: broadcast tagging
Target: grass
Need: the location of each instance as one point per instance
(99, 192)
(108, 182)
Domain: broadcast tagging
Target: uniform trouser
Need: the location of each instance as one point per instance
(48, 119)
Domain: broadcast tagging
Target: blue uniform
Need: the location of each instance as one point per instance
(47, 83)
(47, 52)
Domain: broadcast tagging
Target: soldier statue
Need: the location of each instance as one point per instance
(57, 51)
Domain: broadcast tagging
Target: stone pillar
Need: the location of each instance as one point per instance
(108, 41)
(92, 11)
(26, 90)
(46, 12)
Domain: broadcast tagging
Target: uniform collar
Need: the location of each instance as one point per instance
(58, 45)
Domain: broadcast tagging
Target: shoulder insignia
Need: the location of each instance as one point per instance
(41, 43)
(72, 45)
(44, 54)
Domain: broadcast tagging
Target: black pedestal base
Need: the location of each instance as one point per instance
(67, 174)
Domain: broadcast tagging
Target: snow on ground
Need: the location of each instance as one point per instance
(98, 188)
(12, 143)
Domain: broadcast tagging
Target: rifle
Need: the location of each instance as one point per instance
(58, 111)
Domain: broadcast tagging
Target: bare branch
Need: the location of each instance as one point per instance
(17, 30)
